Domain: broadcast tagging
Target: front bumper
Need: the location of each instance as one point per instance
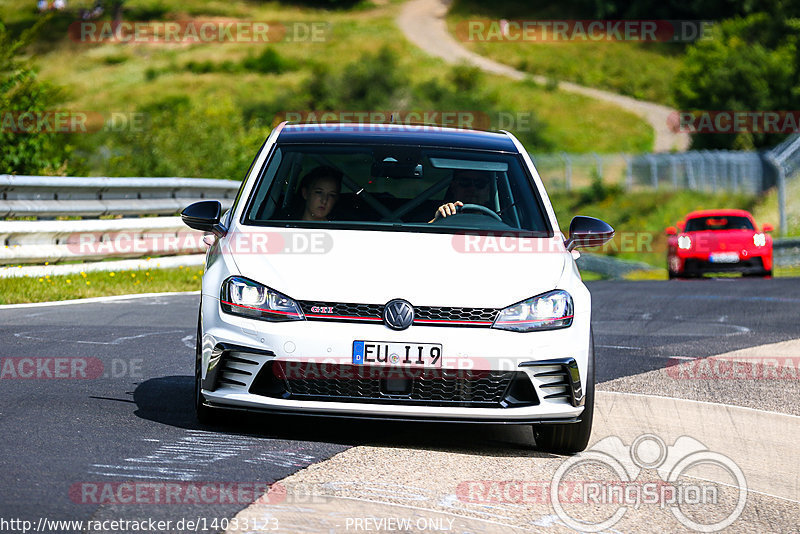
(752, 265)
(694, 263)
(240, 357)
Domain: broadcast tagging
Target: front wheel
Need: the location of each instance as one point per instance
(573, 437)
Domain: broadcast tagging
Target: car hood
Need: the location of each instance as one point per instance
(427, 269)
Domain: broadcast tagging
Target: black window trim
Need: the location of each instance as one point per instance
(333, 225)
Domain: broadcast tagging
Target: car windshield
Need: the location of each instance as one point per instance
(697, 224)
(396, 187)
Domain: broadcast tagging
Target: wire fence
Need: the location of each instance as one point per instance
(712, 171)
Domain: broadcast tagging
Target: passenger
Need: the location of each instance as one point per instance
(468, 187)
(320, 189)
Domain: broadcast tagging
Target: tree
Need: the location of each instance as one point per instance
(747, 64)
(20, 92)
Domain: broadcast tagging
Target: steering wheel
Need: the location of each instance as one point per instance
(483, 210)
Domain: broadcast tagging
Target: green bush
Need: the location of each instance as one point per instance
(379, 81)
(203, 138)
(115, 59)
(267, 62)
(21, 91)
(747, 64)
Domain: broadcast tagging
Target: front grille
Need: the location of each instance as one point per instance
(428, 387)
(696, 266)
(436, 313)
(373, 313)
(341, 311)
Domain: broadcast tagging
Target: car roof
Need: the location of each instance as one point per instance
(419, 135)
(719, 213)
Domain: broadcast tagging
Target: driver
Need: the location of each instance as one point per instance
(468, 187)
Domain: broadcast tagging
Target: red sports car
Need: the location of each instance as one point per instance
(714, 241)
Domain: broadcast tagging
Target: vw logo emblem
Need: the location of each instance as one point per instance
(398, 314)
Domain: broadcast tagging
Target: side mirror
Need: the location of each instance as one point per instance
(204, 216)
(767, 227)
(588, 232)
(671, 230)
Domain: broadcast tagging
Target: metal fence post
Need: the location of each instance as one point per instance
(567, 171)
(690, 180)
(673, 164)
(628, 171)
(781, 178)
(653, 171)
(599, 163)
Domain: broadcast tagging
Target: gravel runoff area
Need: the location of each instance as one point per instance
(765, 377)
(394, 489)
(497, 483)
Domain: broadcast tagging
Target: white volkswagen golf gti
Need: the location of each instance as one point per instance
(396, 272)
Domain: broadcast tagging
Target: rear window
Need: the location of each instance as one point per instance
(718, 223)
(395, 187)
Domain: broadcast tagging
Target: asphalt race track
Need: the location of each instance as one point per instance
(131, 419)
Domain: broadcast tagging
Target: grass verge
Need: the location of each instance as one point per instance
(641, 70)
(639, 218)
(98, 284)
(767, 208)
(123, 79)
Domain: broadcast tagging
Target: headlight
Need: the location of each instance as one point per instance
(547, 311)
(240, 296)
(685, 242)
(759, 240)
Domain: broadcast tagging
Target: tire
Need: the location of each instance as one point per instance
(573, 437)
(205, 415)
(671, 275)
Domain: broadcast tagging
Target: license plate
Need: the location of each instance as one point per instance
(724, 257)
(388, 354)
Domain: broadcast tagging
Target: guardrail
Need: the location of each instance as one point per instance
(786, 252)
(55, 196)
(40, 241)
(134, 236)
(54, 241)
